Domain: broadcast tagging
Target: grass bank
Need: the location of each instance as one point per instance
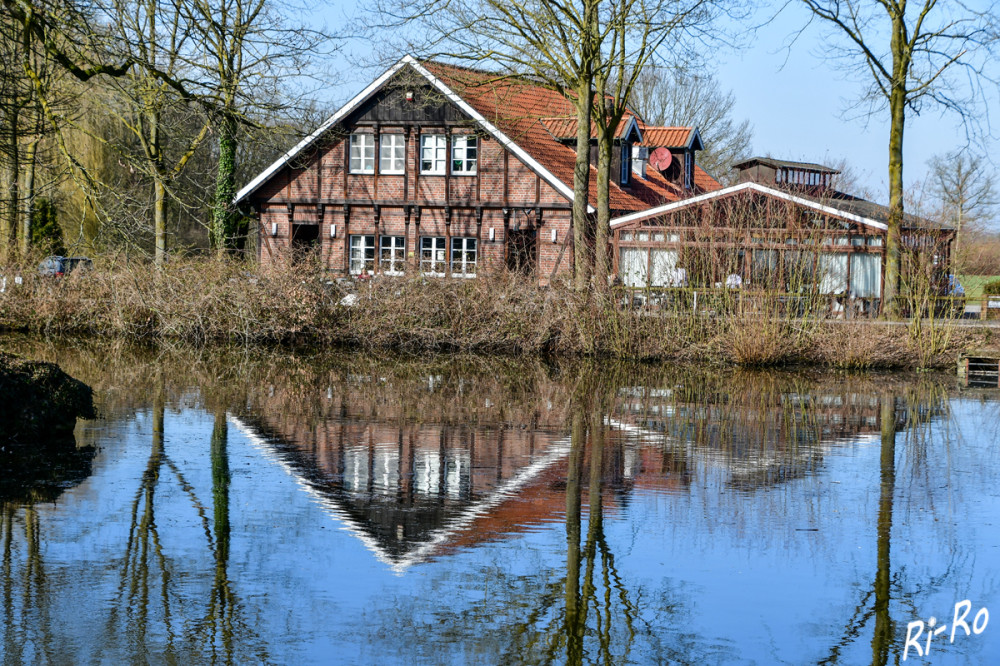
(201, 301)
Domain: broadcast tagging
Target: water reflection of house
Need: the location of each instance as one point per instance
(411, 492)
(757, 442)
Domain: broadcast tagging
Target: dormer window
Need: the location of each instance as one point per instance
(626, 170)
(688, 170)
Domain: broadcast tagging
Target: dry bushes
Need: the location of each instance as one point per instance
(191, 300)
(200, 301)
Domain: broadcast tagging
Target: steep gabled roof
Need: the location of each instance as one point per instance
(511, 110)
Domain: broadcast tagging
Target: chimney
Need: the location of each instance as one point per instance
(640, 156)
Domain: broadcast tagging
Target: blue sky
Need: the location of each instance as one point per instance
(796, 100)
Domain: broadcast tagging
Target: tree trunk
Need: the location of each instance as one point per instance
(28, 198)
(159, 190)
(223, 233)
(605, 147)
(11, 203)
(882, 638)
(581, 188)
(897, 112)
(574, 607)
(160, 219)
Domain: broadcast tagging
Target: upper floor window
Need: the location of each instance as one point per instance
(688, 170)
(392, 154)
(464, 154)
(362, 158)
(433, 154)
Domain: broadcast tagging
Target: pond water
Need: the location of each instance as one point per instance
(340, 508)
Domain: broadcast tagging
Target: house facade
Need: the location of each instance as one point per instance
(445, 171)
(782, 228)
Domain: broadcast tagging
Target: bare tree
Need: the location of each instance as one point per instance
(553, 42)
(630, 32)
(932, 52)
(687, 97)
(246, 48)
(965, 186)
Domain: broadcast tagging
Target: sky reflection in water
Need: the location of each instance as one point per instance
(263, 508)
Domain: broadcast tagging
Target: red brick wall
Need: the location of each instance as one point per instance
(321, 177)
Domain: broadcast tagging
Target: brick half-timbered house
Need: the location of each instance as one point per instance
(446, 171)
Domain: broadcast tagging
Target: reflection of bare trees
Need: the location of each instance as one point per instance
(24, 587)
(913, 409)
(216, 627)
(149, 605)
(598, 620)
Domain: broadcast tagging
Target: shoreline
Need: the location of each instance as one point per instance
(206, 303)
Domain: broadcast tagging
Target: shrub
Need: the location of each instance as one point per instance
(992, 288)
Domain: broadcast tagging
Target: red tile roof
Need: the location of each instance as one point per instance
(670, 137)
(564, 129)
(534, 116)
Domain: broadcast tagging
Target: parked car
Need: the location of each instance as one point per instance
(56, 266)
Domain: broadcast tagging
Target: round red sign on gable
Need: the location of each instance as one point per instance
(660, 159)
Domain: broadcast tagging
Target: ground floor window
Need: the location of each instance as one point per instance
(362, 254)
(463, 257)
(832, 270)
(392, 255)
(433, 255)
(632, 267)
(866, 275)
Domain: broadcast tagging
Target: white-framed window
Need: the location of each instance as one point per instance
(464, 154)
(433, 154)
(362, 257)
(362, 158)
(392, 254)
(433, 255)
(463, 257)
(392, 154)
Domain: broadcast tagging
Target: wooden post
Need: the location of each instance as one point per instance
(347, 239)
(447, 240)
(479, 233)
(409, 245)
(377, 267)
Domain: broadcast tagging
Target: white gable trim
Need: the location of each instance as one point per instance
(359, 99)
(282, 161)
(448, 532)
(504, 140)
(757, 187)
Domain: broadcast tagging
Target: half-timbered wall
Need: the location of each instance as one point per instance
(503, 193)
